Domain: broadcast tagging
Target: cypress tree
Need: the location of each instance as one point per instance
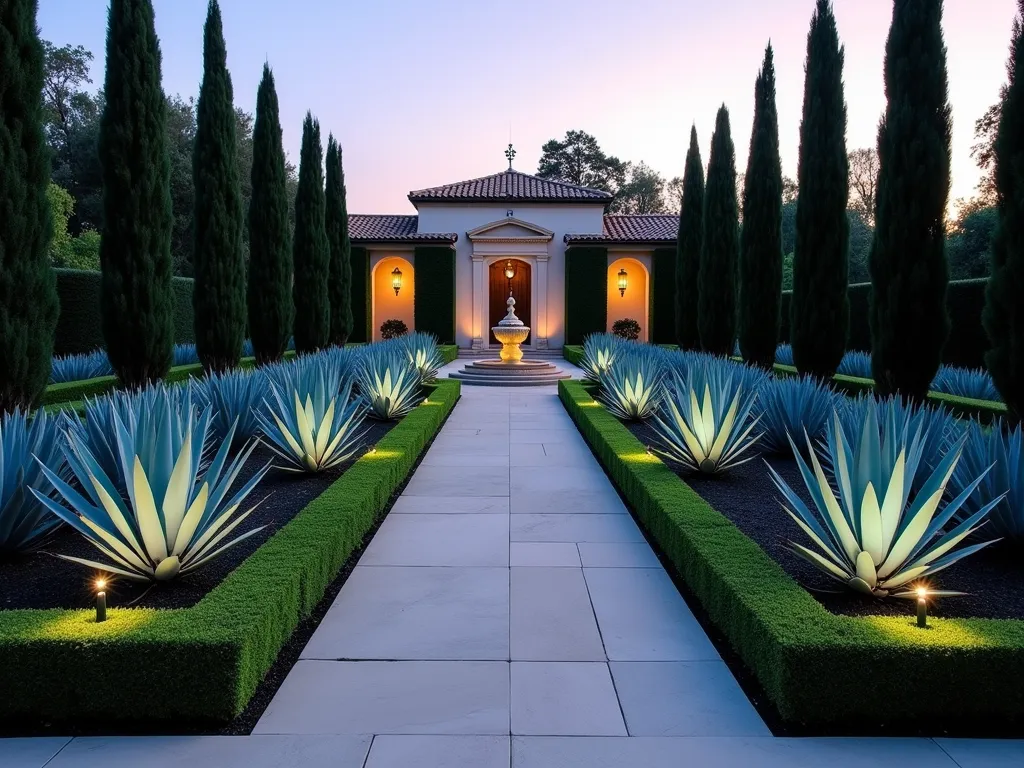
(28, 293)
(820, 310)
(1003, 319)
(909, 325)
(135, 248)
(688, 243)
(310, 250)
(270, 260)
(761, 238)
(716, 302)
(340, 281)
(218, 299)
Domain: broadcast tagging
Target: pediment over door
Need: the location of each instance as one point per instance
(510, 230)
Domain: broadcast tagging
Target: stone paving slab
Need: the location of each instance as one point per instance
(450, 505)
(985, 753)
(431, 480)
(684, 698)
(567, 698)
(544, 436)
(574, 526)
(549, 455)
(643, 618)
(439, 752)
(543, 554)
(443, 459)
(621, 555)
(764, 752)
(551, 618)
(214, 752)
(440, 539)
(397, 697)
(562, 481)
(30, 753)
(416, 613)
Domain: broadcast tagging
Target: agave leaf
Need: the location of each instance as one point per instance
(920, 516)
(146, 514)
(871, 531)
(820, 561)
(103, 567)
(191, 520)
(176, 498)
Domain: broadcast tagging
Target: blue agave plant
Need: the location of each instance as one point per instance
(235, 398)
(174, 515)
(247, 349)
(599, 352)
(185, 354)
(973, 383)
(80, 367)
(25, 446)
(784, 354)
(793, 406)
(389, 384)
(632, 386)
(424, 354)
(856, 364)
(875, 536)
(999, 452)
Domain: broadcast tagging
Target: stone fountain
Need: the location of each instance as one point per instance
(510, 370)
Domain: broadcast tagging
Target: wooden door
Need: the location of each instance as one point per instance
(499, 285)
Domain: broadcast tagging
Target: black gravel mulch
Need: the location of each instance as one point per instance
(40, 580)
(992, 578)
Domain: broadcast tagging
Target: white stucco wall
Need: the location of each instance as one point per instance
(560, 218)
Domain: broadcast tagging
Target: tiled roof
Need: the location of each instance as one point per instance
(633, 228)
(385, 228)
(510, 186)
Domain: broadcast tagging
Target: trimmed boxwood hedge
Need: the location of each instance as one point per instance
(203, 663)
(586, 278)
(663, 296)
(434, 294)
(817, 668)
(79, 328)
(361, 306)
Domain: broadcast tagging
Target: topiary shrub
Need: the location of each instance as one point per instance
(392, 329)
(626, 328)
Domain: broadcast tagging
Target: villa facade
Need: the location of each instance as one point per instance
(574, 268)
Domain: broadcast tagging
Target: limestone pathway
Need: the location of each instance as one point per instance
(508, 613)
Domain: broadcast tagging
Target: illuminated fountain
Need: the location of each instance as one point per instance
(511, 332)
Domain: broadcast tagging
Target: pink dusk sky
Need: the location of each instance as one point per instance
(422, 93)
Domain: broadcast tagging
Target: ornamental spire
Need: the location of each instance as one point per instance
(509, 155)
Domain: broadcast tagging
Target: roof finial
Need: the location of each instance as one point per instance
(510, 154)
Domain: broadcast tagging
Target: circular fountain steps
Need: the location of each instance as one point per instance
(497, 373)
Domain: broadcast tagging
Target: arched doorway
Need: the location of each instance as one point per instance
(499, 290)
(389, 304)
(631, 298)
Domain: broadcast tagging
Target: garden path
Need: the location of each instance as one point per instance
(509, 612)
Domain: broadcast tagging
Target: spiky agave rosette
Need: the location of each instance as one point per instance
(389, 385)
(873, 536)
(174, 516)
(26, 445)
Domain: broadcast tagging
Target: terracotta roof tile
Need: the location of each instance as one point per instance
(633, 228)
(509, 186)
(386, 228)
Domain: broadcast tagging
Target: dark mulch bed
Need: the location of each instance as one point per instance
(40, 580)
(992, 578)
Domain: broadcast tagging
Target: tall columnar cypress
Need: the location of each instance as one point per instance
(1004, 320)
(270, 258)
(340, 281)
(820, 310)
(218, 298)
(310, 250)
(761, 238)
(28, 293)
(909, 325)
(135, 248)
(691, 216)
(716, 302)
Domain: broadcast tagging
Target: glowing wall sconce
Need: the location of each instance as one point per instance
(396, 280)
(510, 269)
(623, 281)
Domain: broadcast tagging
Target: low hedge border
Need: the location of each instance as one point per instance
(818, 669)
(984, 411)
(203, 663)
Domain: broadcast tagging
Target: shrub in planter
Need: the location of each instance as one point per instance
(626, 328)
(392, 329)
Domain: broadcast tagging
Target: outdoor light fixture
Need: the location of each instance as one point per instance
(510, 270)
(101, 600)
(396, 280)
(623, 282)
(922, 607)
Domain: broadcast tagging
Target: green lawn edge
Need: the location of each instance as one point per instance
(204, 663)
(985, 411)
(818, 669)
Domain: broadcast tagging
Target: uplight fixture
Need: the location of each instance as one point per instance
(922, 608)
(101, 600)
(396, 280)
(623, 281)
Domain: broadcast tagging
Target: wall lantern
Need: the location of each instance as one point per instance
(396, 280)
(623, 282)
(510, 270)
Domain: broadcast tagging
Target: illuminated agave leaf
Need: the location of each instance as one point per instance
(999, 450)
(26, 445)
(424, 355)
(599, 353)
(632, 388)
(389, 384)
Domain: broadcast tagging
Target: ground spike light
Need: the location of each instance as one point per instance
(101, 600)
(922, 607)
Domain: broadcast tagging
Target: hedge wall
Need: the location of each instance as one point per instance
(586, 278)
(965, 301)
(663, 297)
(361, 306)
(434, 292)
(79, 328)
(203, 663)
